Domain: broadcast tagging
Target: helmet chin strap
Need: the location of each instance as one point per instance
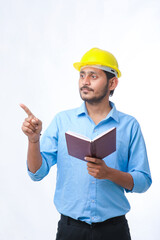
(105, 68)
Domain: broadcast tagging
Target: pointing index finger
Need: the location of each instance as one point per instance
(26, 109)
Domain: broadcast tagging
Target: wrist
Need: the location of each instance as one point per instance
(109, 173)
(32, 141)
(36, 140)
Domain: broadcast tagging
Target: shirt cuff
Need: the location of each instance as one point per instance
(141, 182)
(40, 173)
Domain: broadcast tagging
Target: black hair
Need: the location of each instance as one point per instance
(109, 76)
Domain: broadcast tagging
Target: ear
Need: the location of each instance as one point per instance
(113, 82)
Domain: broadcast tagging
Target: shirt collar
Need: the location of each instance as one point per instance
(113, 113)
(82, 110)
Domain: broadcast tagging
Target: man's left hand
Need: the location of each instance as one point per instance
(97, 168)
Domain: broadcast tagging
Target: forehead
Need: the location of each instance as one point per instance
(91, 70)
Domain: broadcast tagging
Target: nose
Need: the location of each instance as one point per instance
(86, 80)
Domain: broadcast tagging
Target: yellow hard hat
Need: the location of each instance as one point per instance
(99, 58)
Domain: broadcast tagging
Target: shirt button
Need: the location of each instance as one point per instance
(92, 218)
(93, 182)
(93, 201)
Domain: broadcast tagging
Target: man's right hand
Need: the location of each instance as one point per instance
(32, 126)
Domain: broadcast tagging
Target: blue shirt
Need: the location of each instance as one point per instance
(78, 194)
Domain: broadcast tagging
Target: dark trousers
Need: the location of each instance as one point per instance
(111, 229)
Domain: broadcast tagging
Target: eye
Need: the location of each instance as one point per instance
(81, 75)
(94, 76)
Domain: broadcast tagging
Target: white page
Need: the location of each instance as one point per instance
(103, 133)
(78, 135)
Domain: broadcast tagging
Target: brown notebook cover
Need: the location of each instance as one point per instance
(100, 147)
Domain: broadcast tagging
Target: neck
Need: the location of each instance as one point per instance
(98, 111)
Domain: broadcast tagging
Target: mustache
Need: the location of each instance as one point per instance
(86, 87)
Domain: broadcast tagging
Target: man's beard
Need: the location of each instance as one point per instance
(96, 99)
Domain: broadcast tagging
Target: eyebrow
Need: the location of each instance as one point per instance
(89, 72)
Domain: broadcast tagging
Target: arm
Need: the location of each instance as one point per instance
(34, 159)
(32, 128)
(98, 169)
(138, 165)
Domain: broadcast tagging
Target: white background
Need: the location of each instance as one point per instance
(39, 42)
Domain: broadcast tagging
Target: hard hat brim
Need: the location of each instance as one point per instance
(79, 65)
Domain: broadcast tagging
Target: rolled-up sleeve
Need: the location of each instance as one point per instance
(138, 165)
(40, 173)
(48, 150)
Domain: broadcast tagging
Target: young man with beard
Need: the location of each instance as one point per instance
(90, 195)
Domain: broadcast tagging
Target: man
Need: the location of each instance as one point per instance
(90, 195)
